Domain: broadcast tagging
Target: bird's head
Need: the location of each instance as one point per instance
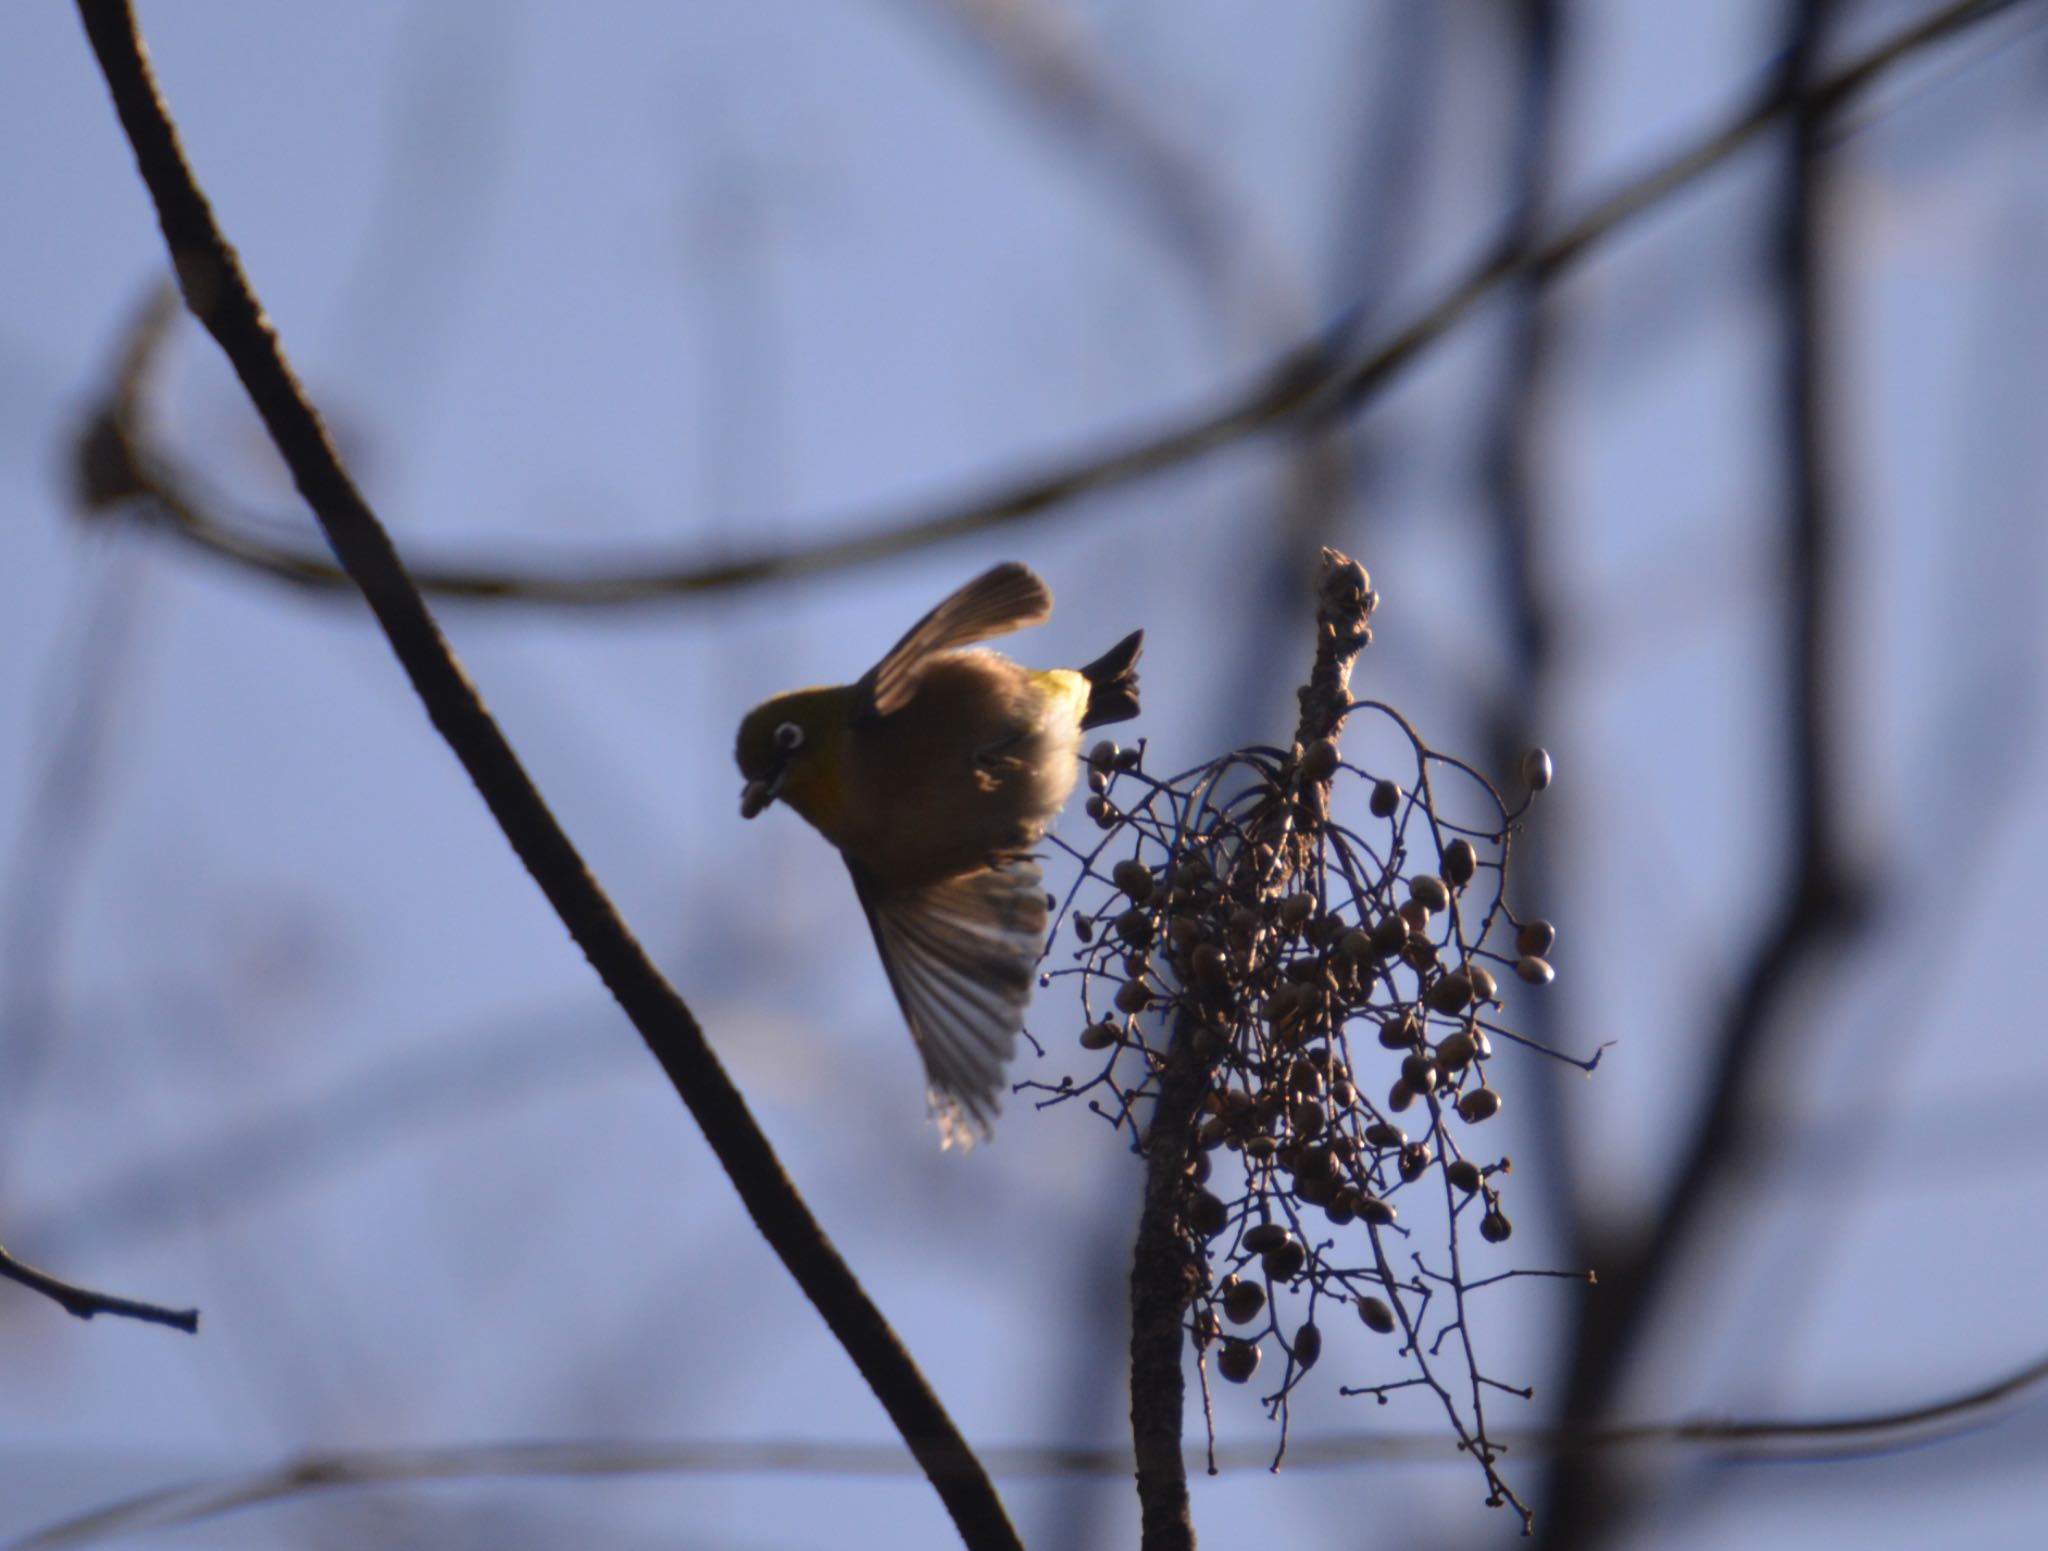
(789, 748)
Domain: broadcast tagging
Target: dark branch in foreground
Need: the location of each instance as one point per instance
(85, 1303)
(1329, 373)
(1759, 1438)
(217, 291)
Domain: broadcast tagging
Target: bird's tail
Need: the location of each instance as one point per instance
(1113, 683)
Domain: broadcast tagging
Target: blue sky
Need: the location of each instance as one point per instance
(585, 281)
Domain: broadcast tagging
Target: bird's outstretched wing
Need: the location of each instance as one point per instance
(1005, 598)
(960, 955)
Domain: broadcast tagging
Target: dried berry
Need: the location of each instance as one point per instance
(1463, 1173)
(1415, 1158)
(1494, 1227)
(1480, 1104)
(1460, 862)
(1450, 993)
(1314, 1163)
(1400, 1096)
(1134, 878)
(1382, 1134)
(1319, 760)
(1135, 928)
(1238, 1360)
(1243, 1302)
(1375, 1211)
(1535, 938)
(1428, 891)
(1390, 935)
(1537, 769)
(1206, 1213)
(1260, 1237)
(1283, 1262)
(1308, 1346)
(1401, 1031)
(1377, 1315)
(1537, 972)
(1386, 797)
(1100, 1036)
(1418, 1073)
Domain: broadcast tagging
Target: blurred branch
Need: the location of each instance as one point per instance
(217, 291)
(87, 673)
(1821, 900)
(1510, 456)
(238, 1165)
(1326, 375)
(85, 1303)
(1241, 282)
(1175, 191)
(1759, 1439)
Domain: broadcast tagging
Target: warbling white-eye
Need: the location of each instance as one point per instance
(934, 774)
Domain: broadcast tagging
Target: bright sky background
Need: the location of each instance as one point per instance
(577, 279)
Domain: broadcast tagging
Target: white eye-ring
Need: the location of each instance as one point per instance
(789, 737)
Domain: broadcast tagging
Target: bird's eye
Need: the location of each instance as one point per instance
(789, 737)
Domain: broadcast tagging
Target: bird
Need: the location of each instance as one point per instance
(934, 774)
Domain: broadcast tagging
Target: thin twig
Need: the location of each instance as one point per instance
(217, 291)
(1331, 372)
(85, 1303)
(1752, 1438)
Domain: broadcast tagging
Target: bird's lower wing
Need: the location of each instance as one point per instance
(961, 955)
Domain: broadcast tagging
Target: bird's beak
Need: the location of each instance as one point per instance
(760, 792)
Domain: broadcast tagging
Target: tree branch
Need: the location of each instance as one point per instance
(1819, 901)
(1164, 1274)
(193, 1502)
(215, 288)
(1327, 374)
(85, 1303)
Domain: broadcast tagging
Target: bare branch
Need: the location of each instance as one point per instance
(1164, 1276)
(1820, 900)
(85, 1303)
(190, 1503)
(217, 291)
(1329, 373)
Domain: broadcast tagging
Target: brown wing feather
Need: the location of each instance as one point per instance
(1005, 598)
(961, 955)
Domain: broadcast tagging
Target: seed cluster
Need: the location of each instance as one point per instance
(1341, 986)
